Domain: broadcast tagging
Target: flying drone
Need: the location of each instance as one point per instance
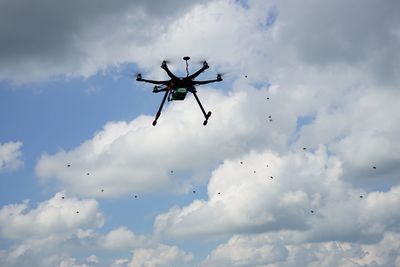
(177, 88)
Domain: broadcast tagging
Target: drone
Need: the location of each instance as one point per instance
(177, 88)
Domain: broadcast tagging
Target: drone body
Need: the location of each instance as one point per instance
(177, 87)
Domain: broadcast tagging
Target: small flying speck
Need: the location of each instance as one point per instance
(254, 171)
(87, 173)
(219, 193)
(361, 196)
(245, 76)
(267, 98)
(374, 168)
(102, 190)
(304, 148)
(194, 191)
(69, 165)
(271, 177)
(270, 116)
(77, 212)
(62, 197)
(241, 162)
(172, 171)
(270, 120)
(311, 211)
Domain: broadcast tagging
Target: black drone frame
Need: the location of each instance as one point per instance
(177, 87)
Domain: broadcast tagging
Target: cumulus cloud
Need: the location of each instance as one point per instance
(54, 216)
(136, 157)
(53, 234)
(162, 255)
(43, 39)
(280, 250)
(121, 239)
(10, 156)
(300, 191)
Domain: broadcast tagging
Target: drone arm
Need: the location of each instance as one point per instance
(169, 73)
(207, 81)
(153, 82)
(197, 73)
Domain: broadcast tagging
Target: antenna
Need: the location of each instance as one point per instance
(187, 66)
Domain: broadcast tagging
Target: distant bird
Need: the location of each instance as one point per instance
(87, 173)
(135, 196)
(374, 168)
(69, 165)
(271, 177)
(270, 120)
(304, 148)
(361, 196)
(245, 76)
(194, 191)
(311, 211)
(254, 171)
(270, 116)
(267, 98)
(62, 197)
(172, 171)
(219, 193)
(77, 212)
(241, 162)
(267, 165)
(102, 190)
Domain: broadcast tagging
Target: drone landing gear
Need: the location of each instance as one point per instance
(206, 115)
(160, 108)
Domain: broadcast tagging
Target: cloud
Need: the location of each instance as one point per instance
(10, 156)
(130, 157)
(54, 216)
(300, 191)
(121, 239)
(279, 249)
(162, 255)
(42, 40)
(53, 234)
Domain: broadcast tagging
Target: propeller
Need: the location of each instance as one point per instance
(165, 62)
(204, 63)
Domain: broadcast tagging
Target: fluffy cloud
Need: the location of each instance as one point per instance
(136, 157)
(54, 216)
(300, 191)
(10, 156)
(52, 233)
(45, 39)
(162, 255)
(121, 239)
(278, 249)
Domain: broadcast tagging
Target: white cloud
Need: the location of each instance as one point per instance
(136, 157)
(305, 194)
(10, 156)
(92, 259)
(120, 263)
(121, 239)
(53, 234)
(278, 249)
(54, 216)
(43, 40)
(161, 255)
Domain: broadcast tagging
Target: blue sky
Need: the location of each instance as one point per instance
(326, 73)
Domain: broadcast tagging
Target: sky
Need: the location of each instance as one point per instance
(299, 164)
